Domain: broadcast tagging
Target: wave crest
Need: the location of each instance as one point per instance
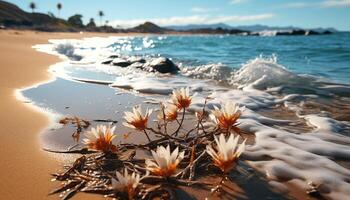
(263, 72)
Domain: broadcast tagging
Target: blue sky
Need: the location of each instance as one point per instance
(303, 13)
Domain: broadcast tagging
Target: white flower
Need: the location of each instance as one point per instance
(136, 120)
(227, 116)
(227, 152)
(170, 113)
(100, 138)
(128, 182)
(165, 162)
(181, 98)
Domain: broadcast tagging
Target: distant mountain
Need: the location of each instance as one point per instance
(12, 16)
(325, 29)
(258, 27)
(148, 27)
(251, 28)
(199, 26)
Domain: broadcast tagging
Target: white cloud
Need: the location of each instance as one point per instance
(297, 5)
(203, 10)
(322, 4)
(194, 19)
(237, 1)
(335, 3)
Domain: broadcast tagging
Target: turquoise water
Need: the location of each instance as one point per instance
(302, 123)
(326, 56)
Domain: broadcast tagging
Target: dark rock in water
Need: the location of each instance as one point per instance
(136, 59)
(254, 34)
(327, 32)
(121, 62)
(298, 32)
(107, 61)
(162, 65)
(113, 56)
(136, 65)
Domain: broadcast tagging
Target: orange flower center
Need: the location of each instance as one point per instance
(225, 165)
(130, 190)
(170, 170)
(103, 143)
(140, 124)
(227, 122)
(171, 116)
(183, 102)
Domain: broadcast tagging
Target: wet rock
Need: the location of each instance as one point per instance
(136, 65)
(162, 65)
(311, 32)
(134, 59)
(121, 62)
(106, 61)
(113, 56)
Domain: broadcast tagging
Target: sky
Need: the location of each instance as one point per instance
(127, 13)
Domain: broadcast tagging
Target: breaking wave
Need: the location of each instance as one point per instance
(298, 120)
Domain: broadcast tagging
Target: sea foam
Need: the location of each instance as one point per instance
(282, 154)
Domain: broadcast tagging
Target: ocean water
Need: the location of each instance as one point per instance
(322, 56)
(296, 90)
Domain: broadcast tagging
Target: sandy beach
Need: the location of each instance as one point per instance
(25, 168)
(177, 100)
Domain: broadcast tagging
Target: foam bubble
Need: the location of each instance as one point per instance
(296, 155)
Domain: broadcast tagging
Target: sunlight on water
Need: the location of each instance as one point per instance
(295, 89)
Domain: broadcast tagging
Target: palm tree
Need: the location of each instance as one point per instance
(59, 7)
(32, 6)
(101, 14)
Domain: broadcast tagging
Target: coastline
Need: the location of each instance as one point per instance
(24, 68)
(25, 169)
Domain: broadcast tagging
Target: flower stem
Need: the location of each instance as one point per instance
(182, 120)
(147, 135)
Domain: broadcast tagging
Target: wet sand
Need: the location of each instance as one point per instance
(25, 169)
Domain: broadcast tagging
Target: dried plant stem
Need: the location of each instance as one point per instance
(95, 171)
(180, 124)
(149, 139)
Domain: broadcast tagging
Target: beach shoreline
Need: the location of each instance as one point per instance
(25, 169)
(26, 72)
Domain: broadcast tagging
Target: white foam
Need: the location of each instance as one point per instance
(280, 154)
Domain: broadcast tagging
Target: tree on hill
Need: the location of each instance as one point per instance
(91, 23)
(59, 7)
(101, 14)
(76, 20)
(32, 6)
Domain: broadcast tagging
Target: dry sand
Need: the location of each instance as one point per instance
(24, 168)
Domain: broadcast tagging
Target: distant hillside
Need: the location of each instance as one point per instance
(199, 26)
(13, 17)
(258, 27)
(251, 28)
(148, 27)
(10, 15)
